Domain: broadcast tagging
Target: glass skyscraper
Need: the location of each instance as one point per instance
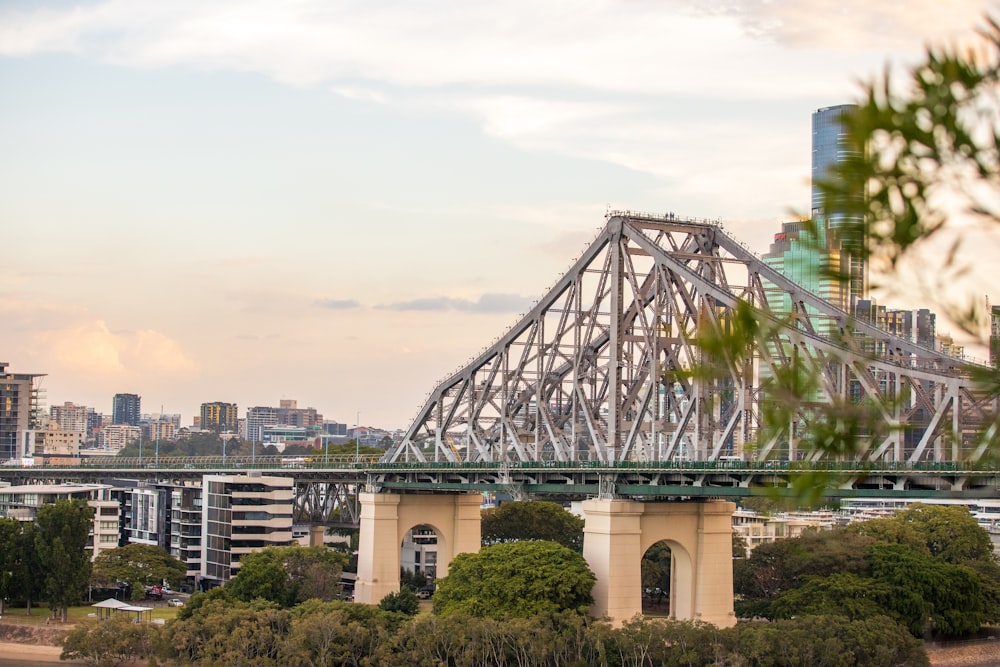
(830, 147)
(818, 261)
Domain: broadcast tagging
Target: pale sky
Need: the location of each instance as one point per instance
(341, 202)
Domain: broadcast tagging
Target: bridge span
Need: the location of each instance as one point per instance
(607, 391)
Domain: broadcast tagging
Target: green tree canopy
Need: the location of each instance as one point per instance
(62, 536)
(516, 579)
(288, 575)
(949, 532)
(405, 602)
(783, 565)
(10, 536)
(115, 641)
(138, 564)
(928, 592)
(532, 520)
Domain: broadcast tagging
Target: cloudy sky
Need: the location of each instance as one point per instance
(340, 202)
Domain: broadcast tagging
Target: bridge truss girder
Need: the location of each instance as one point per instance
(599, 369)
(334, 504)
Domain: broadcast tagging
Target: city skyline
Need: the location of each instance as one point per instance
(341, 203)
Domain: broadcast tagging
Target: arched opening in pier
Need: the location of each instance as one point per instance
(666, 572)
(418, 558)
(655, 569)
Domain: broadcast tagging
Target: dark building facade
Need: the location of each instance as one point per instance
(126, 409)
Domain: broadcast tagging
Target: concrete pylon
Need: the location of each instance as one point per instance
(611, 547)
(385, 520)
(618, 532)
(378, 548)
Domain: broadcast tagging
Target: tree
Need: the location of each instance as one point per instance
(10, 535)
(532, 520)
(29, 575)
(230, 632)
(775, 568)
(949, 532)
(844, 594)
(405, 601)
(61, 539)
(140, 565)
(516, 579)
(927, 592)
(834, 641)
(288, 575)
(116, 641)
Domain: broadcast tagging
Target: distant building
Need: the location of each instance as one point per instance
(159, 429)
(807, 262)
(418, 552)
(947, 345)
(335, 429)
(116, 437)
(289, 414)
(23, 502)
(55, 444)
(811, 253)
(242, 514)
(185, 524)
(757, 529)
(22, 402)
(146, 509)
(219, 416)
(831, 147)
(72, 417)
(126, 409)
(258, 418)
(917, 326)
(285, 435)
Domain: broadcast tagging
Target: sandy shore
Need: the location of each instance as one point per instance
(11, 651)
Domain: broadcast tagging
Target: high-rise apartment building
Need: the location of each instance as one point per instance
(71, 417)
(22, 402)
(126, 409)
(219, 416)
(242, 514)
(118, 436)
(259, 418)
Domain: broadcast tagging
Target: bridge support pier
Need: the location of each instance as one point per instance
(618, 532)
(385, 520)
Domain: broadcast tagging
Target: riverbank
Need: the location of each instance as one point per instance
(16, 653)
(28, 644)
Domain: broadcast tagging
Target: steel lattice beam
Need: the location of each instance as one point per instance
(597, 370)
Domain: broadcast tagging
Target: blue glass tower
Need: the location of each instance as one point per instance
(830, 147)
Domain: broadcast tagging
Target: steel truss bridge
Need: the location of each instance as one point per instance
(600, 370)
(592, 394)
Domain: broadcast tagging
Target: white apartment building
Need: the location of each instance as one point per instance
(22, 502)
(240, 515)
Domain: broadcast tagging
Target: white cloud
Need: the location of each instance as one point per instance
(639, 47)
(69, 339)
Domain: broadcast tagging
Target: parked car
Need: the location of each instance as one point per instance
(175, 602)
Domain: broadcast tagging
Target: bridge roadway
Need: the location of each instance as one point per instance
(551, 480)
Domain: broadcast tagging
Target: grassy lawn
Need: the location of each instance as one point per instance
(40, 613)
